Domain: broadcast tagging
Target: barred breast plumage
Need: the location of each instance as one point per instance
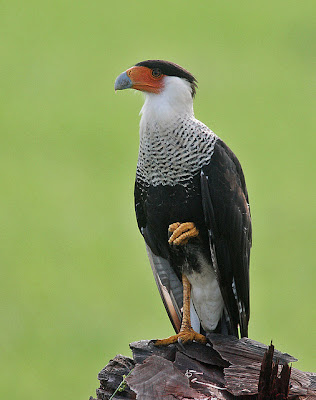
(172, 154)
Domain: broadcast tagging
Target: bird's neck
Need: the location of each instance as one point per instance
(173, 144)
(164, 109)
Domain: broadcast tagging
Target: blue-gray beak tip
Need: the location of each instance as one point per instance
(123, 82)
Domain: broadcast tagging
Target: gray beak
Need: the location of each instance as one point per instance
(123, 82)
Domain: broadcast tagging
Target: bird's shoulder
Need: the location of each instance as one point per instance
(224, 170)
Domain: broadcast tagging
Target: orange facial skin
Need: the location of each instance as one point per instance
(145, 79)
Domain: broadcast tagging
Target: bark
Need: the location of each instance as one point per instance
(227, 368)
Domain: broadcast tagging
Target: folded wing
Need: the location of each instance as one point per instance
(227, 217)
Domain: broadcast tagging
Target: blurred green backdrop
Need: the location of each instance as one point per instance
(76, 286)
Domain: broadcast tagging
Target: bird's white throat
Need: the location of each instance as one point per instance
(174, 101)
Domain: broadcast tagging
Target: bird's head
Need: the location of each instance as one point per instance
(169, 88)
(152, 76)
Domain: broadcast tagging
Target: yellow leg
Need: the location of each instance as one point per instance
(186, 334)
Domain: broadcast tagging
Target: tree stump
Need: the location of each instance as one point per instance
(226, 368)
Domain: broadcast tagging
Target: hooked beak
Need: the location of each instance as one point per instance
(123, 82)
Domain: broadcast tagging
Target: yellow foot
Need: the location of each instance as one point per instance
(182, 232)
(187, 335)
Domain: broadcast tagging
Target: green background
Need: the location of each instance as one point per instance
(76, 286)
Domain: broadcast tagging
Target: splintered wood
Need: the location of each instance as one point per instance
(227, 368)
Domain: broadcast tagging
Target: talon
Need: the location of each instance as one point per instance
(181, 233)
(185, 336)
(174, 226)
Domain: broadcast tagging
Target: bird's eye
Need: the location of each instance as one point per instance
(156, 72)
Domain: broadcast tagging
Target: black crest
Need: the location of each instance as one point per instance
(170, 69)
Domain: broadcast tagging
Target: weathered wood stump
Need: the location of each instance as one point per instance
(227, 368)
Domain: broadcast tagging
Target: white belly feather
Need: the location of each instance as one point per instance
(206, 296)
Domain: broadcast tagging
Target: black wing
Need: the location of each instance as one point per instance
(227, 217)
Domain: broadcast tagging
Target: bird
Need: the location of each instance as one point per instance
(192, 208)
